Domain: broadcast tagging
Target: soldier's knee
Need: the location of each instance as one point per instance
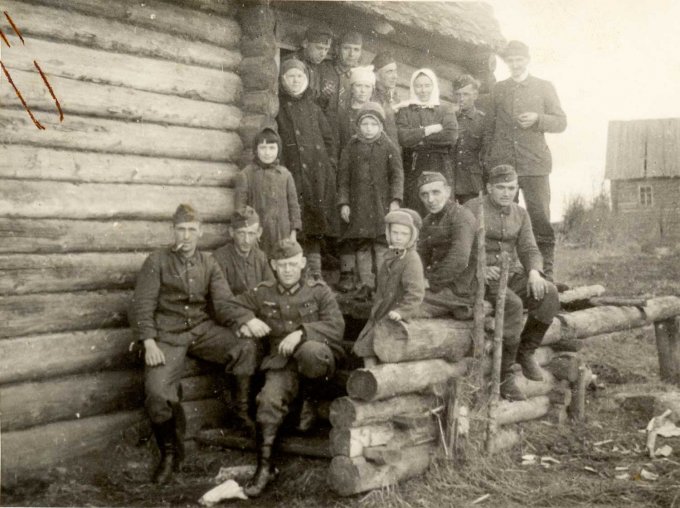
(549, 305)
(315, 360)
(513, 318)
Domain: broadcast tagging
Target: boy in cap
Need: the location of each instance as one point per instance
(370, 184)
(386, 94)
(304, 329)
(401, 285)
(508, 229)
(523, 108)
(241, 260)
(169, 315)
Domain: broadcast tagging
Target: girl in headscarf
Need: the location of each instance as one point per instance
(427, 131)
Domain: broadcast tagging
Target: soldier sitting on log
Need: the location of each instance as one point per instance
(508, 229)
(304, 327)
(169, 314)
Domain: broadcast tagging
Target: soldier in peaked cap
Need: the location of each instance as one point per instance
(303, 327)
(169, 315)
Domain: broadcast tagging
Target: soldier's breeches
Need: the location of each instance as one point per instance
(161, 383)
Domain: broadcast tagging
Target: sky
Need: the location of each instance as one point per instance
(609, 60)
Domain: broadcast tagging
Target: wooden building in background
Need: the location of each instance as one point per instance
(643, 165)
(160, 100)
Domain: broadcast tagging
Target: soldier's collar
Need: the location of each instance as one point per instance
(288, 291)
(502, 209)
(469, 112)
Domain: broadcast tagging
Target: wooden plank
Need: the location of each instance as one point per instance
(113, 136)
(347, 412)
(175, 18)
(59, 312)
(114, 35)
(306, 446)
(23, 274)
(118, 69)
(64, 235)
(27, 451)
(117, 102)
(46, 199)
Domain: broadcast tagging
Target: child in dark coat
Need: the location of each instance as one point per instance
(370, 184)
(401, 284)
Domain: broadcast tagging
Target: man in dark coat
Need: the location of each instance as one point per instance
(508, 229)
(169, 314)
(523, 108)
(304, 329)
(335, 86)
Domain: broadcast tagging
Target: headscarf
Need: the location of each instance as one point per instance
(434, 98)
(294, 63)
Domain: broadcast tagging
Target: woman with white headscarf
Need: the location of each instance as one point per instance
(427, 131)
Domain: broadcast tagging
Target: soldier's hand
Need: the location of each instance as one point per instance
(344, 213)
(492, 273)
(152, 353)
(289, 343)
(394, 315)
(394, 205)
(536, 285)
(244, 331)
(258, 328)
(528, 119)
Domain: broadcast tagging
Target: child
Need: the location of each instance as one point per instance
(270, 189)
(309, 152)
(401, 285)
(370, 184)
(362, 86)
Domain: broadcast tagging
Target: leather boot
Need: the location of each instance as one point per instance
(346, 282)
(509, 389)
(314, 265)
(548, 254)
(265, 472)
(307, 416)
(531, 338)
(180, 429)
(242, 403)
(165, 438)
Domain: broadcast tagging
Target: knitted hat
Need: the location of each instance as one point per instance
(246, 216)
(515, 48)
(320, 34)
(362, 74)
(429, 177)
(293, 63)
(502, 173)
(406, 217)
(267, 135)
(185, 213)
(371, 109)
(285, 249)
(351, 38)
(382, 59)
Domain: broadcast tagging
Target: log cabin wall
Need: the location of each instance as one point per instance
(151, 98)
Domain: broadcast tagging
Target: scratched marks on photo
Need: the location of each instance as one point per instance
(42, 74)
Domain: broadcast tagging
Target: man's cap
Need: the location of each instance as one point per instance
(502, 173)
(362, 74)
(319, 34)
(372, 109)
(246, 216)
(382, 59)
(285, 249)
(515, 48)
(429, 177)
(406, 217)
(293, 63)
(464, 80)
(185, 213)
(351, 38)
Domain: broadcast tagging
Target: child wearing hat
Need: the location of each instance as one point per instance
(401, 285)
(309, 152)
(362, 86)
(269, 188)
(370, 184)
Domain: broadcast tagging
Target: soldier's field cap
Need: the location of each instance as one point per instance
(382, 59)
(429, 177)
(464, 80)
(319, 34)
(502, 173)
(285, 249)
(185, 213)
(246, 216)
(515, 48)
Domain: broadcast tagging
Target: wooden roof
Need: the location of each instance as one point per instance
(643, 149)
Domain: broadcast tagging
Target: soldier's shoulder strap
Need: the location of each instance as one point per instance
(315, 282)
(266, 284)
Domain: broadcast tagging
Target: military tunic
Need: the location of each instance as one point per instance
(467, 154)
(243, 272)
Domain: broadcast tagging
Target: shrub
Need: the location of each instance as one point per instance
(589, 224)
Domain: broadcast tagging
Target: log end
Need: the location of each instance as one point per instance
(339, 439)
(343, 476)
(342, 412)
(362, 385)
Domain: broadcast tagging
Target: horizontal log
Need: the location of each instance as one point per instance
(569, 345)
(118, 69)
(598, 320)
(642, 333)
(348, 476)
(520, 411)
(204, 414)
(347, 412)
(621, 301)
(263, 102)
(47, 199)
(114, 35)
(263, 45)
(352, 441)
(164, 17)
(37, 403)
(421, 339)
(310, 446)
(116, 102)
(64, 235)
(27, 451)
(664, 307)
(387, 380)
(536, 388)
(259, 73)
(114, 136)
(552, 335)
(503, 438)
(581, 293)
(59, 312)
(564, 368)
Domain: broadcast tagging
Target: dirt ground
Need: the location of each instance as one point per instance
(589, 455)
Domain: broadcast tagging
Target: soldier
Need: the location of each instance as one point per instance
(241, 260)
(304, 327)
(508, 229)
(523, 108)
(386, 94)
(169, 314)
(335, 85)
(315, 47)
(467, 153)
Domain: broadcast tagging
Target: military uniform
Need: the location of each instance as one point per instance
(467, 164)
(243, 272)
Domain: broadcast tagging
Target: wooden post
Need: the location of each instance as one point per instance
(668, 348)
(497, 350)
(479, 335)
(452, 409)
(577, 408)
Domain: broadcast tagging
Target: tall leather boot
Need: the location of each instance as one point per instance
(165, 438)
(242, 403)
(531, 338)
(307, 412)
(265, 472)
(314, 265)
(509, 389)
(180, 429)
(548, 254)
